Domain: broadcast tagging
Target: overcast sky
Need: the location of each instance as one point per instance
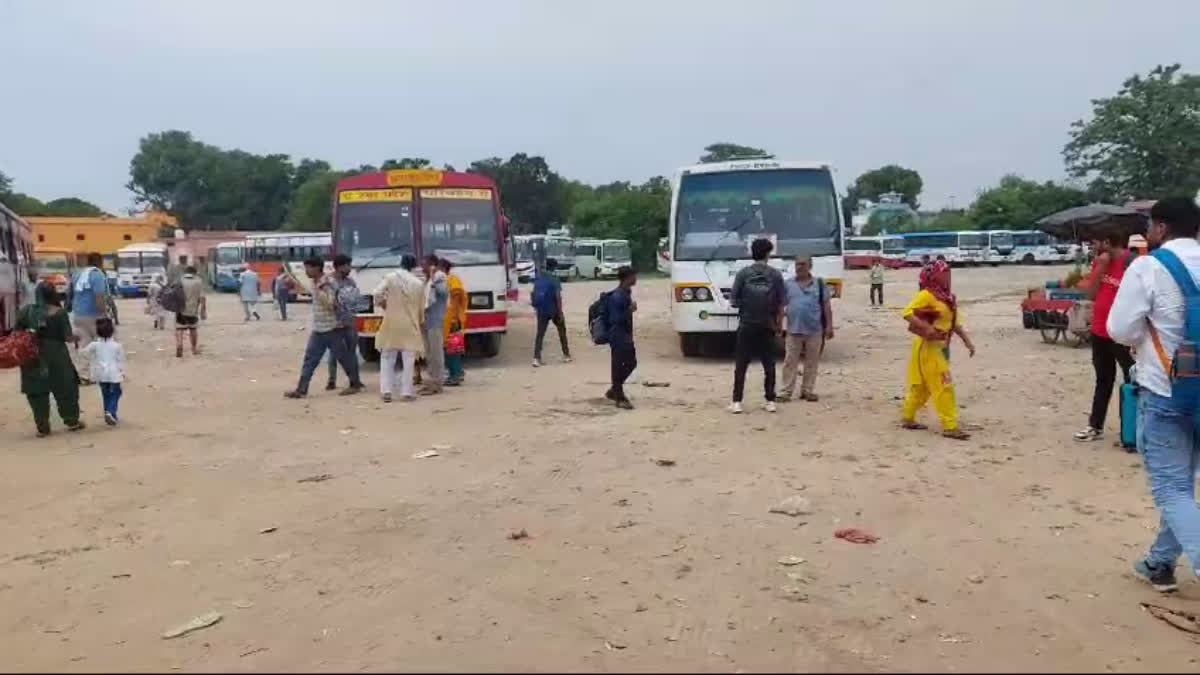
(964, 91)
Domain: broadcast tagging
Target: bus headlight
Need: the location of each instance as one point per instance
(693, 293)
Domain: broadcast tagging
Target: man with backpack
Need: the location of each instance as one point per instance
(1157, 312)
(809, 325)
(759, 295)
(547, 301)
(610, 321)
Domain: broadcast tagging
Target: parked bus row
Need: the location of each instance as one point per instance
(267, 254)
(574, 258)
(991, 247)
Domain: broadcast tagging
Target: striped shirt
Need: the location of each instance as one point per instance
(324, 313)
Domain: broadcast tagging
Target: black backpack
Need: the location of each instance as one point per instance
(598, 319)
(172, 298)
(755, 304)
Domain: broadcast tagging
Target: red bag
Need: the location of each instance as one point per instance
(456, 343)
(18, 348)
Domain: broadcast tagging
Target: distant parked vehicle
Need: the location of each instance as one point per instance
(601, 258)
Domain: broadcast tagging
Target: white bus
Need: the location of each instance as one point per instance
(999, 247)
(968, 247)
(16, 253)
(226, 262)
(137, 265)
(601, 258)
(718, 209)
(530, 247)
(1031, 247)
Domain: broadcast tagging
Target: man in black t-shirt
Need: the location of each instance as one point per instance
(759, 295)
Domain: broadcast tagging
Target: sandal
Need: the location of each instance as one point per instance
(956, 434)
(913, 426)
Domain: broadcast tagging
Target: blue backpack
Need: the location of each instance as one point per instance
(544, 298)
(1183, 368)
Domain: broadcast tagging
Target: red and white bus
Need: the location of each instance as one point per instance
(380, 216)
(16, 252)
(862, 252)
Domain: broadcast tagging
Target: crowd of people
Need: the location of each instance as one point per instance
(1146, 321)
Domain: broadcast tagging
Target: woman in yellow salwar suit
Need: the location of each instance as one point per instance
(933, 317)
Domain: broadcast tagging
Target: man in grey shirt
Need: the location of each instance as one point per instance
(809, 325)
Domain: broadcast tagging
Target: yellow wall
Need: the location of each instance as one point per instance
(101, 235)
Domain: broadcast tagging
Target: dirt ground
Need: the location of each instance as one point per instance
(1010, 552)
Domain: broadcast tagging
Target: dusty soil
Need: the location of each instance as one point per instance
(1010, 552)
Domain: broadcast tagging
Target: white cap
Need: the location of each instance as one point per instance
(1137, 241)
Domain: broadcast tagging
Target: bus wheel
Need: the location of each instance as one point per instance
(1028, 259)
(366, 347)
(691, 344)
(484, 344)
(596, 273)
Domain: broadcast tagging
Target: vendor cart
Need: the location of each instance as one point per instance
(1064, 314)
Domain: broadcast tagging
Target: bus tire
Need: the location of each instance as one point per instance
(691, 344)
(1028, 259)
(366, 348)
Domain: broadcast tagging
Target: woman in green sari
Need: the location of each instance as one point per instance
(52, 372)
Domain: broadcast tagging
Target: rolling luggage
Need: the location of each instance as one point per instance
(1128, 401)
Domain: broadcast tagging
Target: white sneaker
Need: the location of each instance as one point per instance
(770, 406)
(537, 363)
(735, 408)
(567, 359)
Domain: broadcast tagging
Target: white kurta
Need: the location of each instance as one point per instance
(405, 298)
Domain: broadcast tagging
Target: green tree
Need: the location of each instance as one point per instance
(890, 221)
(723, 152)
(406, 163)
(637, 213)
(5, 185)
(1016, 203)
(312, 203)
(72, 207)
(306, 169)
(1143, 143)
(949, 220)
(889, 178)
(206, 187)
(531, 193)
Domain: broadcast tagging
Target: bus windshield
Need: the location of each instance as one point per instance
(141, 262)
(719, 214)
(52, 263)
(375, 233)
(856, 244)
(617, 251)
(972, 240)
(559, 249)
(229, 256)
(460, 226)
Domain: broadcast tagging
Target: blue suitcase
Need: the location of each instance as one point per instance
(1128, 400)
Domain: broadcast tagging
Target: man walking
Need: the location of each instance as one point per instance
(619, 310)
(809, 325)
(437, 299)
(248, 291)
(195, 308)
(1107, 270)
(325, 335)
(877, 283)
(281, 288)
(547, 301)
(1149, 314)
(759, 296)
(347, 302)
(89, 301)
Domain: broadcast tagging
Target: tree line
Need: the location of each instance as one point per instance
(25, 205)
(1143, 142)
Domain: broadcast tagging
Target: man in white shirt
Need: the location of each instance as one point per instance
(1149, 307)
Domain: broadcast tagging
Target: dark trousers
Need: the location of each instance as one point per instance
(330, 341)
(876, 291)
(282, 308)
(110, 394)
(1106, 355)
(754, 343)
(351, 338)
(624, 362)
(67, 399)
(543, 323)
